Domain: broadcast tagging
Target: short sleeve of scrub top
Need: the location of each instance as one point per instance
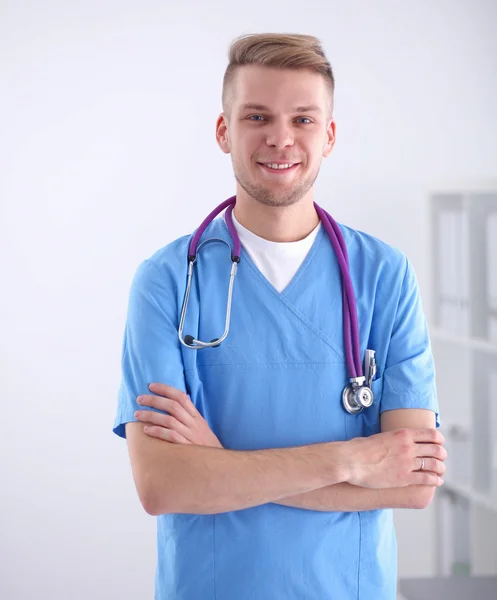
(409, 375)
(150, 347)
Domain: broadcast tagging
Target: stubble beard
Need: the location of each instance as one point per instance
(265, 195)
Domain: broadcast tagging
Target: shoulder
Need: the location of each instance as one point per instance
(176, 251)
(160, 271)
(171, 258)
(369, 252)
(168, 265)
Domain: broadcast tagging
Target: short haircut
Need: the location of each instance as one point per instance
(283, 50)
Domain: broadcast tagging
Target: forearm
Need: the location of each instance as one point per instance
(202, 480)
(344, 497)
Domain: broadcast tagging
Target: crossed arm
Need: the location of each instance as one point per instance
(185, 425)
(345, 497)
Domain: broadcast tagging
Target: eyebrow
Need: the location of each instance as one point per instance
(255, 106)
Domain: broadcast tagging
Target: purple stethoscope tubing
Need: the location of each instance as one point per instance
(350, 318)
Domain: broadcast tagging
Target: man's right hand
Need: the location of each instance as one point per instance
(392, 458)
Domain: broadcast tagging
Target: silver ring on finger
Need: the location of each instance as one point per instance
(422, 464)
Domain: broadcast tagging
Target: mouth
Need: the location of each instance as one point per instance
(279, 169)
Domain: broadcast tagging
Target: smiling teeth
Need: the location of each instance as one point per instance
(273, 166)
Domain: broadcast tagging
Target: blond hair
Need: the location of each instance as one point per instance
(283, 50)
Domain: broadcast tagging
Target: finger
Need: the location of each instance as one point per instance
(178, 409)
(431, 464)
(158, 402)
(431, 451)
(167, 390)
(427, 436)
(175, 425)
(168, 405)
(167, 421)
(185, 401)
(150, 416)
(425, 478)
(175, 394)
(168, 435)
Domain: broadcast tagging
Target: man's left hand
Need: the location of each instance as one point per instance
(183, 425)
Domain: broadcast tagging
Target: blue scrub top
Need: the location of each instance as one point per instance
(277, 381)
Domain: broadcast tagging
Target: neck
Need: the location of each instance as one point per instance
(277, 223)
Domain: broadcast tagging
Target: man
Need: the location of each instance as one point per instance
(264, 486)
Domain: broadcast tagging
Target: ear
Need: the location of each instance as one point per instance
(222, 134)
(330, 138)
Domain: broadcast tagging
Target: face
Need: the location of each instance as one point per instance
(277, 116)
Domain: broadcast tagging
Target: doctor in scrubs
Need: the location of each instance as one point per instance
(264, 486)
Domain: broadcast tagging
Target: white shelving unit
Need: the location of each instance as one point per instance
(464, 338)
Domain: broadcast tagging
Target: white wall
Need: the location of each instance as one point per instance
(107, 151)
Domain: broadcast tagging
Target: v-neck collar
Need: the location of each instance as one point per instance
(220, 229)
(245, 257)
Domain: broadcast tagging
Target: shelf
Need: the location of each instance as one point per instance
(466, 187)
(463, 331)
(465, 491)
(473, 343)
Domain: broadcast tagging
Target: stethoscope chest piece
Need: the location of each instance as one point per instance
(359, 394)
(354, 400)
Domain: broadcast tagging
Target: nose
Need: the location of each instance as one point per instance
(279, 135)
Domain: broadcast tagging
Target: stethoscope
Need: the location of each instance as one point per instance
(357, 394)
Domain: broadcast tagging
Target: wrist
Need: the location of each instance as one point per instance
(340, 464)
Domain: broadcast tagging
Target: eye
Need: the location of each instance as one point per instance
(260, 118)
